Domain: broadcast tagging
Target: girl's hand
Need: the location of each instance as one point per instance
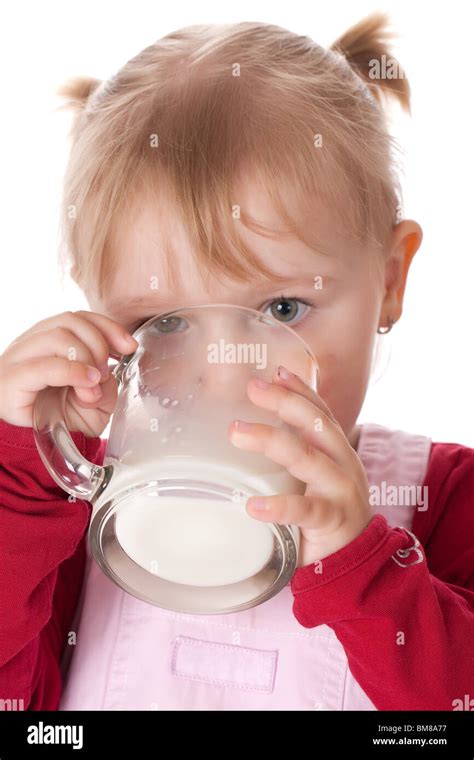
(335, 507)
(69, 349)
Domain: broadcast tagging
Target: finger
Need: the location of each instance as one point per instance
(293, 509)
(117, 337)
(32, 376)
(79, 332)
(287, 449)
(282, 376)
(59, 341)
(303, 411)
(101, 334)
(105, 401)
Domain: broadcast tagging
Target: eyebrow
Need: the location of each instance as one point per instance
(130, 302)
(295, 281)
(164, 302)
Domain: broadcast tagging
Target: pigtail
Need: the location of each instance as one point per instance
(366, 48)
(77, 91)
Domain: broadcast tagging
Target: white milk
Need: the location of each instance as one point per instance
(192, 540)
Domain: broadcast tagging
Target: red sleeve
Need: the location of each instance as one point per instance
(42, 554)
(405, 616)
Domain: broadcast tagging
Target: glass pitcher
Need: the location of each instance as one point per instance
(168, 522)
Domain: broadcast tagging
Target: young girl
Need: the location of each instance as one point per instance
(241, 164)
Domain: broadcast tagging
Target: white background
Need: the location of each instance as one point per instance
(427, 385)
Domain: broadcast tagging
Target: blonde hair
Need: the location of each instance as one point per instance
(209, 104)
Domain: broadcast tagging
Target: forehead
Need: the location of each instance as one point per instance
(152, 231)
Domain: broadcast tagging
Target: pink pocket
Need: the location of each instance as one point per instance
(224, 664)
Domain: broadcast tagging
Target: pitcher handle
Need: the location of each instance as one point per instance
(60, 455)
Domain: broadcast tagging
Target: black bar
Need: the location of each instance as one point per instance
(374, 734)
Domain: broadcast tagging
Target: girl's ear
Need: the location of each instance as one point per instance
(406, 239)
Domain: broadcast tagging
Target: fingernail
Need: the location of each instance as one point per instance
(284, 373)
(260, 383)
(259, 504)
(128, 338)
(93, 374)
(242, 427)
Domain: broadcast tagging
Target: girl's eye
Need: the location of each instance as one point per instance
(283, 309)
(287, 309)
(170, 324)
(163, 325)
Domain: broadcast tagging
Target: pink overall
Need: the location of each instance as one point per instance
(133, 656)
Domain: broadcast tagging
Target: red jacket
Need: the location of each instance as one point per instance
(362, 595)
